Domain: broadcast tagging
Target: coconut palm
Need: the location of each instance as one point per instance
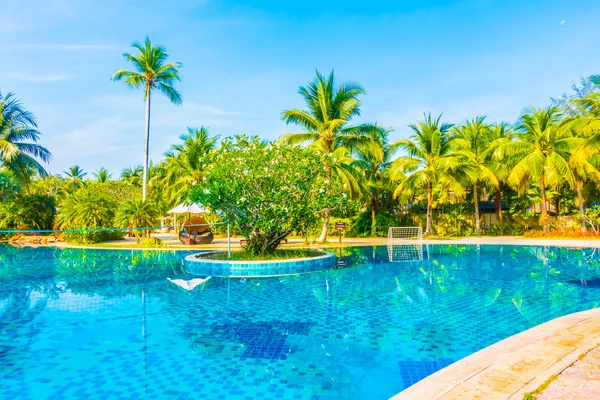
(472, 140)
(75, 176)
(373, 159)
(431, 162)
(184, 162)
(102, 175)
(151, 72)
(133, 175)
(542, 151)
(326, 124)
(583, 121)
(20, 152)
(499, 134)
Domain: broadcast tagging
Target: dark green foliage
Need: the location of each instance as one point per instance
(361, 224)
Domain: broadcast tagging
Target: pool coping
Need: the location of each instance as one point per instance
(516, 365)
(326, 254)
(258, 268)
(349, 242)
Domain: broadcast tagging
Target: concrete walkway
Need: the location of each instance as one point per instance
(517, 365)
(581, 381)
(221, 242)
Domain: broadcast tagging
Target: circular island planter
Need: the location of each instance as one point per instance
(196, 264)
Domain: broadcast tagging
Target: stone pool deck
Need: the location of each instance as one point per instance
(522, 363)
(581, 381)
(221, 243)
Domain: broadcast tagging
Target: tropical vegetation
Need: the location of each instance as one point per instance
(538, 176)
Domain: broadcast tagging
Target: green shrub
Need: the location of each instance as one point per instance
(152, 243)
(86, 209)
(92, 236)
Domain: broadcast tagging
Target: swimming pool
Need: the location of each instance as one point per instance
(103, 324)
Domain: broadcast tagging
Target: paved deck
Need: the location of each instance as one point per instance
(516, 365)
(221, 243)
(581, 381)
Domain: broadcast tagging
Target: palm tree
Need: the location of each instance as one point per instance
(542, 151)
(326, 124)
(473, 139)
(19, 151)
(137, 214)
(583, 120)
(373, 160)
(184, 162)
(431, 162)
(75, 175)
(499, 134)
(132, 176)
(102, 175)
(151, 72)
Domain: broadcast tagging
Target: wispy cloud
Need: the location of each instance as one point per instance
(105, 136)
(74, 47)
(28, 77)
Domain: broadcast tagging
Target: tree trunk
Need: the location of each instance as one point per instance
(326, 213)
(146, 146)
(373, 217)
(544, 211)
(476, 201)
(325, 230)
(429, 205)
(581, 211)
(498, 201)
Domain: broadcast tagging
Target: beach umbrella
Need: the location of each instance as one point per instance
(192, 208)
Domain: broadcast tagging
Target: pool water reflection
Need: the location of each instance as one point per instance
(105, 324)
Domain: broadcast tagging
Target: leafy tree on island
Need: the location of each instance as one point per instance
(268, 190)
(152, 72)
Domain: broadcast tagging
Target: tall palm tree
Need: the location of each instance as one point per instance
(542, 151)
(373, 160)
(473, 139)
(583, 120)
(102, 175)
(75, 176)
(133, 175)
(19, 151)
(326, 123)
(151, 72)
(500, 134)
(431, 162)
(185, 162)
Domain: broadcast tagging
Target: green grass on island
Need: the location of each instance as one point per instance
(280, 254)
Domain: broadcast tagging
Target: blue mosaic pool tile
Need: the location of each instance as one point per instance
(108, 324)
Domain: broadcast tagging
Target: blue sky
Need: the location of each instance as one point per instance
(244, 60)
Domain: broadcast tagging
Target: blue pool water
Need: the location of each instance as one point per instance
(99, 324)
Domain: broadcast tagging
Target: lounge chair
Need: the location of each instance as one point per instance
(196, 231)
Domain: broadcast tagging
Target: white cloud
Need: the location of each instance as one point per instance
(564, 21)
(105, 136)
(27, 77)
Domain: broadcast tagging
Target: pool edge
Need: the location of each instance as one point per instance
(515, 365)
